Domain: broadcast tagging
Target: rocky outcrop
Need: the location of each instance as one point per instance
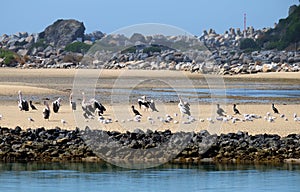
(79, 145)
(63, 32)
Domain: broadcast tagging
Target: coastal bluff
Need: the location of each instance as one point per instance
(47, 145)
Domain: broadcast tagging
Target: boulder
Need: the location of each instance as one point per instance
(63, 32)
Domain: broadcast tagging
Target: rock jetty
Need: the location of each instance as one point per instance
(79, 145)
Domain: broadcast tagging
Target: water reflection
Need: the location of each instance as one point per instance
(107, 167)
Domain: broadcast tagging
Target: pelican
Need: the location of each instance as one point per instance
(184, 107)
(56, 105)
(46, 110)
(98, 107)
(22, 103)
(86, 107)
(72, 103)
(143, 102)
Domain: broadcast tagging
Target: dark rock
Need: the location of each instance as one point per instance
(63, 32)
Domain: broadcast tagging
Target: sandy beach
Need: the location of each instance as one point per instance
(38, 84)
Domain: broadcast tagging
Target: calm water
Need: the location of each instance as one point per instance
(105, 177)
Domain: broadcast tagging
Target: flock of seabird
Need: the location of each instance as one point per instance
(93, 107)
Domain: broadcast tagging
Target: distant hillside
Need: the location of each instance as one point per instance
(286, 35)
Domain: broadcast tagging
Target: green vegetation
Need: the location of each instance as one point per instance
(39, 43)
(248, 44)
(78, 47)
(8, 56)
(151, 49)
(286, 33)
(129, 50)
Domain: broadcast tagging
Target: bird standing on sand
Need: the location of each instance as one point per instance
(32, 106)
(46, 111)
(143, 103)
(72, 103)
(98, 107)
(135, 111)
(30, 119)
(220, 111)
(56, 105)
(86, 107)
(184, 107)
(152, 106)
(235, 110)
(275, 110)
(22, 103)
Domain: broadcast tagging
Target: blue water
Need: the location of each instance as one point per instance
(240, 95)
(103, 177)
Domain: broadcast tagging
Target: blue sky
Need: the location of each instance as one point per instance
(107, 16)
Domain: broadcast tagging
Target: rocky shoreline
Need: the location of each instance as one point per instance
(207, 53)
(48, 145)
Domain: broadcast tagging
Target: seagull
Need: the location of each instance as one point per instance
(63, 121)
(32, 106)
(22, 103)
(152, 106)
(46, 110)
(135, 111)
(220, 111)
(30, 119)
(56, 105)
(72, 103)
(184, 107)
(209, 119)
(295, 115)
(235, 110)
(1, 117)
(275, 110)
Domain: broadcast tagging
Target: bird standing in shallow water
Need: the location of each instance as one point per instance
(235, 110)
(135, 111)
(275, 110)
